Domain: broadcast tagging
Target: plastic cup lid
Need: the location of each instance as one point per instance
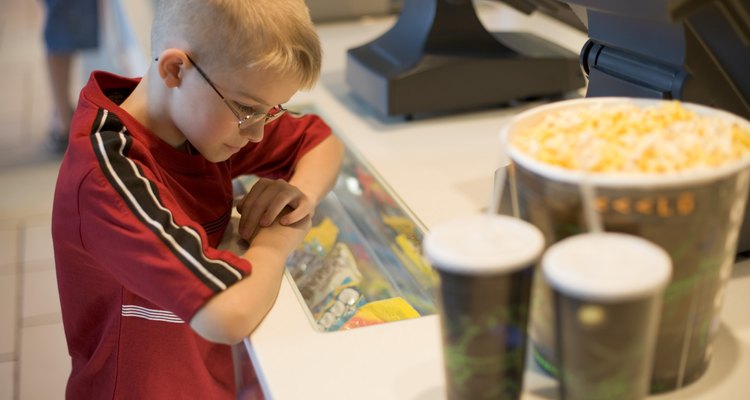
(606, 266)
(483, 244)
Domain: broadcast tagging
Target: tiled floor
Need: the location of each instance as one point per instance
(33, 358)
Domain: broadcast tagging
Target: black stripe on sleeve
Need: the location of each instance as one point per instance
(141, 196)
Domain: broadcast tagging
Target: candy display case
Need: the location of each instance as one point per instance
(361, 263)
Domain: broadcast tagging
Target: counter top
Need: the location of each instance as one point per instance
(403, 360)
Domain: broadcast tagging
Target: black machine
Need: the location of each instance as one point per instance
(438, 57)
(692, 50)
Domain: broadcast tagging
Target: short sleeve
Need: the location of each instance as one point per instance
(285, 141)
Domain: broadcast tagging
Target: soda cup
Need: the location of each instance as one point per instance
(607, 294)
(486, 265)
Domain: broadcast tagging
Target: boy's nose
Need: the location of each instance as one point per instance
(254, 132)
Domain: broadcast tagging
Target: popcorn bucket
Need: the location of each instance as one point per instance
(693, 213)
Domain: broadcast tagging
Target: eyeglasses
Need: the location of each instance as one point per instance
(246, 116)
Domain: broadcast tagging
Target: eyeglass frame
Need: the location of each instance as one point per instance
(253, 117)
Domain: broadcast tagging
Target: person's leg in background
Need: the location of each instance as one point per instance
(58, 68)
(70, 27)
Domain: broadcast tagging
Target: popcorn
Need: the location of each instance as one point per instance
(625, 138)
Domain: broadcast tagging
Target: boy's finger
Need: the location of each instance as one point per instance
(274, 211)
(294, 216)
(252, 209)
(252, 196)
(249, 221)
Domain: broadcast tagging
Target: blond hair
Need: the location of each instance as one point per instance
(275, 35)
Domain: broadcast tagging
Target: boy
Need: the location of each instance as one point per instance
(144, 195)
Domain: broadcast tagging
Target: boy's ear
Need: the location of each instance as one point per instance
(171, 63)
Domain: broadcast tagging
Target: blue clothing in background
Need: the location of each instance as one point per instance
(71, 25)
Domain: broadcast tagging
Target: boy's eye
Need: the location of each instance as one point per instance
(246, 110)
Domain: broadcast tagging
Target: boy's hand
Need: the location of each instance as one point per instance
(265, 202)
(281, 240)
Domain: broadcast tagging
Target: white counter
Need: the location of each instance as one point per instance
(440, 168)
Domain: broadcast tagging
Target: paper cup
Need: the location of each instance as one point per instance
(486, 265)
(607, 300)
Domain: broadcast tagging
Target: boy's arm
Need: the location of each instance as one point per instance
(234, 313)
(316, 172)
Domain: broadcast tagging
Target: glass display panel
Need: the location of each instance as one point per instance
(362, 264)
